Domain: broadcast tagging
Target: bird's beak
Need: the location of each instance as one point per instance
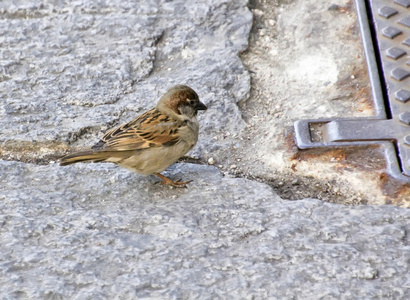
(200, 106)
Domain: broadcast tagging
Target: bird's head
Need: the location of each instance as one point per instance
(182, 100)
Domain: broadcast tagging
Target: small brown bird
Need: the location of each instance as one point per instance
(152, 142)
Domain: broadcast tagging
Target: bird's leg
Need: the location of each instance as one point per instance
(167, 181)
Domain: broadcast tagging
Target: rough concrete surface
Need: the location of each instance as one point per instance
(71, 70)
(98, 231)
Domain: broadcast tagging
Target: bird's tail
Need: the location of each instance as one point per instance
(84, 156)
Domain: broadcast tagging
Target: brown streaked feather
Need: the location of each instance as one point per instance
(84, 156)
(151, 129)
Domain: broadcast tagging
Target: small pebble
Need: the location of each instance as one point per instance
(258, 12)
(232, 167)
(333, 7)
(262, 32)
(211, 161)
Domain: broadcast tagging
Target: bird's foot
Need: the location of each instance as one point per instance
(178, 183)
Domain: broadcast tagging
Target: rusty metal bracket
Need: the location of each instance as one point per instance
(385, 30)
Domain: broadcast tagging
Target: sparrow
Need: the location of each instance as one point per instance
(153, 141)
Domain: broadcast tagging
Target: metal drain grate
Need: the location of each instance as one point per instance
(385, 29)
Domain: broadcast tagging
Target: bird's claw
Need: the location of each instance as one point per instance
(178, 183)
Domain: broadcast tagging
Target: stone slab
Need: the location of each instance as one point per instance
(70, 70)
(98, 231)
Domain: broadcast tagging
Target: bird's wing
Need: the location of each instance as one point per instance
(151, 129)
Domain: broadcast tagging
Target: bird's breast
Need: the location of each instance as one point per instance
(189, 133)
